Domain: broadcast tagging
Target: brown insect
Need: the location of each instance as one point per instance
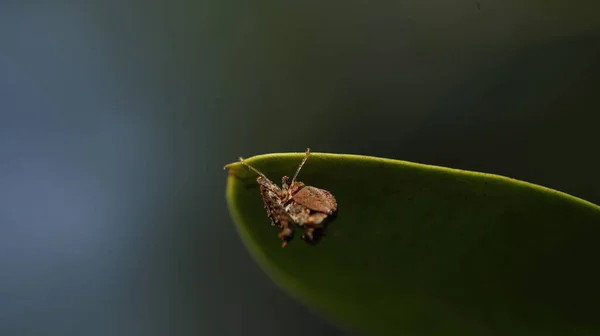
(295, 204)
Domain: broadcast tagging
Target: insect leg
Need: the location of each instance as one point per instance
(278, 215)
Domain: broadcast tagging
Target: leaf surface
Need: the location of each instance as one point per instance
(425, 250)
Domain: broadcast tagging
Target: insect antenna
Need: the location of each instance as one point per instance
(253, 169)
(300, 166)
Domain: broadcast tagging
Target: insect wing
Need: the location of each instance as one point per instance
(316, 199)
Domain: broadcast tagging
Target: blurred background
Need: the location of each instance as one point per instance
(116, 118)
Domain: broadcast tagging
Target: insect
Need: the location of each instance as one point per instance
(295, 204)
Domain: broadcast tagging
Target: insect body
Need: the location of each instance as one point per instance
(295, 204)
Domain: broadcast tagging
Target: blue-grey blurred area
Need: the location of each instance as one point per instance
(116, 118)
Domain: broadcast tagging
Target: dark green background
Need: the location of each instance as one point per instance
(116, 118)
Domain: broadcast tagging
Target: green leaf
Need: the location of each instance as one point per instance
(425, 250)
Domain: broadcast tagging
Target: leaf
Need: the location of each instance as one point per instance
(424, 250)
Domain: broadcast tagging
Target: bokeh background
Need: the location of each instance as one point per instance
(116, 118)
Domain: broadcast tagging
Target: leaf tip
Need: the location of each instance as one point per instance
(231, 165)
(234, 169)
